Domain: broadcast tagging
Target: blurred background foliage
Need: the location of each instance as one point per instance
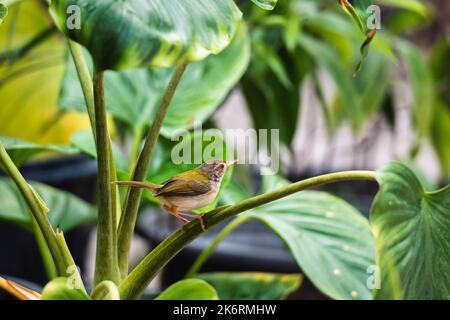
(270, 60)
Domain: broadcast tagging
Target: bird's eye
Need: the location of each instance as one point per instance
(222, 166)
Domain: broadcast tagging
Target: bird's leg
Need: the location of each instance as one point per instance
(173, 211)
(194, 216)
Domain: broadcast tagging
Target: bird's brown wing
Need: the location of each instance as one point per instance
(183, 188)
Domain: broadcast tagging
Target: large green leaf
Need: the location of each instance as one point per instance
(62, 289)
(412, 230)
(21, 150)
(133, 96)
(190, 289)
(159, 33)
(252, 285)
(66, 210)
(330, 240)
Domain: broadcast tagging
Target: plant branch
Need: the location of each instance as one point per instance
(106, 267)
(37, 208)
(210, 249)
(132, 201)
(136, 282)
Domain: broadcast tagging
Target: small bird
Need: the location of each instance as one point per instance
(189, 190)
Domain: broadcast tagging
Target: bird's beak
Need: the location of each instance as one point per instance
(230, 162)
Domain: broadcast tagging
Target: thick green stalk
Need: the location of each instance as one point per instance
(132, 201)
(85, 80)
(217, 240)
(136, 282)
(37, 208)
(106, 256)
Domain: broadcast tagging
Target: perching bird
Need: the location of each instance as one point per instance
(189, 190)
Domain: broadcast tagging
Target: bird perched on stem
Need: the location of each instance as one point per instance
(189, 190)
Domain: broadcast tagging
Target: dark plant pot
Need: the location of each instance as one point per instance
(251, 247)
(19, 255)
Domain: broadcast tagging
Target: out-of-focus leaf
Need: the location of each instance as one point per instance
(421, 82)
(415, 6)
(20, 150)
(159, 33)
(63, 289)
(347, 107)
(31, 113)
(252, 285)
(67, 211)
(3, 12)
(440, 133)
(440, 69)
(18, 291)
(190, 289)
(412, 234)
(133, 96)
(330, 240)
(233, 193)
(266, 4)
(271, 86)
(84, 142)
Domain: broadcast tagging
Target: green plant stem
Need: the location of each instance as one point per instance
(136, 282)
(106, 256)
(210, 249)
(132, 201)
(37, 208)
(72, 270)
(85, 80)
(47, 259)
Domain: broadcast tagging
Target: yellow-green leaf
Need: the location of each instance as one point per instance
(158, 33)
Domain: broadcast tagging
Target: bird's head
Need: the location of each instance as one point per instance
(215, 169)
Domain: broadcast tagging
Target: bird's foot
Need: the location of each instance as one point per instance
(178, 215)
(195, 216)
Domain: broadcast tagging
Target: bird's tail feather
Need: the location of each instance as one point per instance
(137, 184)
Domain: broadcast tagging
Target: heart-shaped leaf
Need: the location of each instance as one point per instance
(252, 285)
(190, 289)
(133, 96)
(67, 211)
(21, 150)
(330, 240)
(63, 289)
(412, 229)
(159, 33)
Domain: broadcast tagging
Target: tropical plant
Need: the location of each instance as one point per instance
(336, 247)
